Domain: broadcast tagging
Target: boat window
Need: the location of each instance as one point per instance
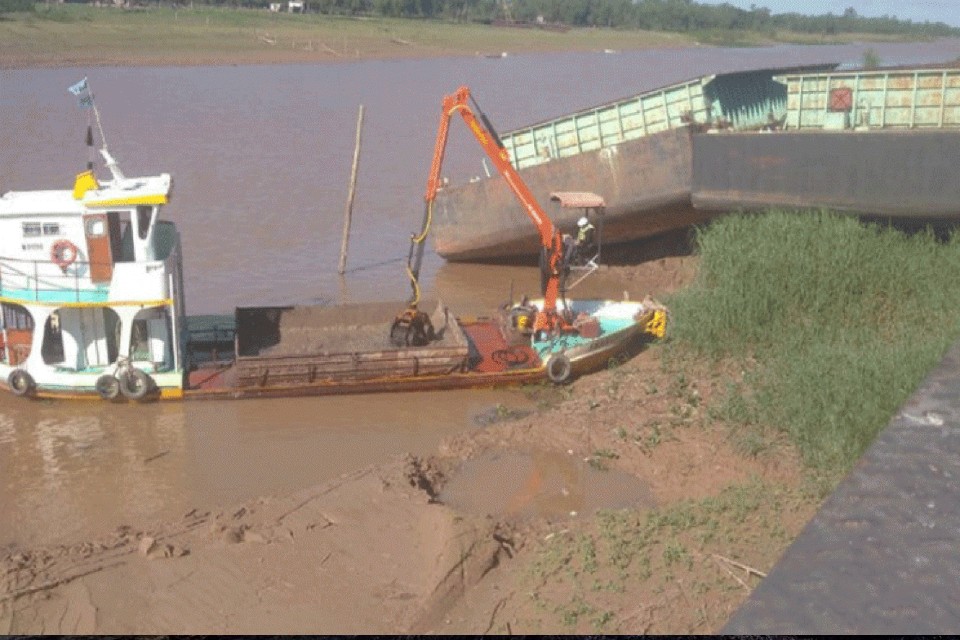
(144, 215)
(139, 341)
(51, 228)
(112, 326)
(31, 229)
(17, 333)
(16, 317)
(96, 227)
(52, 347)
(121, 239)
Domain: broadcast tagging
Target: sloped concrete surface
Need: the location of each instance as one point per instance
(882, 556)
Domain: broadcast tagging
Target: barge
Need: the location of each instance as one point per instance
(869, 142)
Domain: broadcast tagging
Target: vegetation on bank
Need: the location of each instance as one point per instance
(830, 323)
(679, 16)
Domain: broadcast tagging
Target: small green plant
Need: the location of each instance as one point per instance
(588, 553)
(601, 621)
(655, 436)
(577, 609)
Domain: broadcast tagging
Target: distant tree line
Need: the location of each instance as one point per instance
(656, 15)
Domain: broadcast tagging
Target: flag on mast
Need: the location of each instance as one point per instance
(82, 91)
(79, 88)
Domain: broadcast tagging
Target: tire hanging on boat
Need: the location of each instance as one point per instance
(559, 368)
(21, 383)
(108, 387)
(135, 384)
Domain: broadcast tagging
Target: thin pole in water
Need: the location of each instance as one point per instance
(348, 214)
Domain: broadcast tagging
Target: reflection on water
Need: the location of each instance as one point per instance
(261, 158)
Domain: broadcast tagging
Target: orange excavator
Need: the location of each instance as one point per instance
(413, 327)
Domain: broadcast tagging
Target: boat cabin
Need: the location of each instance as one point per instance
(90, 281)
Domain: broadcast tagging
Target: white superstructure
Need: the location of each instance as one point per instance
(91, 289)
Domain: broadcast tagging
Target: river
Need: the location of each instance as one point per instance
(261, 160)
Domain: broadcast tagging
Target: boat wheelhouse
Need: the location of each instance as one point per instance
(91, 290)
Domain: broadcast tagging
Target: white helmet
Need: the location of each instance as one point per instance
(582, 222)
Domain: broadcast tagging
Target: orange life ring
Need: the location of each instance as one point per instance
(63, 253)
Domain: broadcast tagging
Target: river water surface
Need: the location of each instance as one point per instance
(261, 159)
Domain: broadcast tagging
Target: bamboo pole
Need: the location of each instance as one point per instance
(348, 214)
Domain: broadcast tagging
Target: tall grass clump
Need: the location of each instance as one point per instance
(834, 322)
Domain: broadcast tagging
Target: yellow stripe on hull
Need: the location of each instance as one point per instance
(166, 302)
(128, 202)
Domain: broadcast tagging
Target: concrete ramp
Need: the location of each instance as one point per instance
(881, 555)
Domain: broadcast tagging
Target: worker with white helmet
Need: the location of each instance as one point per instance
(586, 242)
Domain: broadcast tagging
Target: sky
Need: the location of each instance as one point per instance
(947, 11)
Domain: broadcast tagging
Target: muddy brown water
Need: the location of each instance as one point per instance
(545, 484)
(260, 157)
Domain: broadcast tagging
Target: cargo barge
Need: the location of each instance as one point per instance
(877, 143)
(870, 142)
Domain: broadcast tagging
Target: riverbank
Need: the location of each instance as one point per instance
(70, 35)
(537, 547)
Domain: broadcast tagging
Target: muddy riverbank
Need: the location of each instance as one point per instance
(402, 545)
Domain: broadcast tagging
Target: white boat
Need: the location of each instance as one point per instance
(91, 289)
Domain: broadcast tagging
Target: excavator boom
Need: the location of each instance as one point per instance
(550, 239)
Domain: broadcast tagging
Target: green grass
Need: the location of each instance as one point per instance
(833, 322)
(590, 579)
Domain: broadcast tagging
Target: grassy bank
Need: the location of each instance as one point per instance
(829, 324)
(78, 35)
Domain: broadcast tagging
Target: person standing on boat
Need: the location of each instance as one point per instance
(586, 241)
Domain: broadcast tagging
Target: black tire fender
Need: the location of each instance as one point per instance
(559, 368)
(21, 383)
(108, 387)
(135, 384)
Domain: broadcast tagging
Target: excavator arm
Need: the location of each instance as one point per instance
(548, 319)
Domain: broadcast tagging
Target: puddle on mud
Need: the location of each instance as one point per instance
(549, 485)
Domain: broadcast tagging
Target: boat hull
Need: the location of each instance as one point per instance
(900, 174)
(493, 357)
(645, 182)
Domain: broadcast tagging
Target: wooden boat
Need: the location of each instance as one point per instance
(288, 351)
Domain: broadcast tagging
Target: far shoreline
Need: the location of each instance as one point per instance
(69, 36)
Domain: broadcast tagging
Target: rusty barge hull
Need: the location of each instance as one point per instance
(646, 184)
(906, 175)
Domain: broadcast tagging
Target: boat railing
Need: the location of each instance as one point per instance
(44, 281)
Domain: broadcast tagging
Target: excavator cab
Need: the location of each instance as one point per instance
(582, 254)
